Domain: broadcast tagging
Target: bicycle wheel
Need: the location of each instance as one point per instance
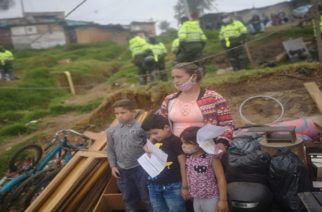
(16, 199)
(13, 196)
(25, 157)
(34, 190)
(263, 108)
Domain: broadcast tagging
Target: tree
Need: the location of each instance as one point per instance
(6, 4)
(164, 26)
(195, 6)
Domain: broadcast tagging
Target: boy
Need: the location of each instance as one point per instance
(168, 189)
(125, 143)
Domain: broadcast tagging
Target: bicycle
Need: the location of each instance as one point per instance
(31, 170)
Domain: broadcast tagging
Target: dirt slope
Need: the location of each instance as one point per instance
(287, 87)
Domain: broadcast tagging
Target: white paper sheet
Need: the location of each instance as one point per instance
(156, 163)
(205, 136)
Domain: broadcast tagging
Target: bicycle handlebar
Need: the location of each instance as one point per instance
(64, 132)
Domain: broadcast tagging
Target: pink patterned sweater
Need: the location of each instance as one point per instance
(213, 107)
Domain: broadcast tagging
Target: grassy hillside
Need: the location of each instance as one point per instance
(41, 90)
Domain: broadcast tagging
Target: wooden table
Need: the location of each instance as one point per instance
(297, 147)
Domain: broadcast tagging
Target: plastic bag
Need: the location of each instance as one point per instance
(247, 141)
(288, 177)
(246, 167)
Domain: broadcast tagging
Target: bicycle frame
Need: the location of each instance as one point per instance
(32, 170)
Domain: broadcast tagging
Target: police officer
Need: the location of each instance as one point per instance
(6, 58)
(175, 46)
(192, 40)
(232, 35)
(159, 52)
(140, 53)
(320, 25)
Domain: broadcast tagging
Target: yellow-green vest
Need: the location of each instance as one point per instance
(6, 55)
(191, 31)
(158, 49)
(233, 30)
(138, 45)
(175, 46)
(320, 25)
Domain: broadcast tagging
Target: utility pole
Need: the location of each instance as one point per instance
(22, 8)
(316, 19)
(186, 8)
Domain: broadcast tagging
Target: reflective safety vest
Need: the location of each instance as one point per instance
(320, 25)
(175, 46)
(233, 30)
(138, 45)
(6, 55)
(158, 50)
(191, 31)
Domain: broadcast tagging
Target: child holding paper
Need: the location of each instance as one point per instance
(124, 146)
(205, 174)
(169, 189)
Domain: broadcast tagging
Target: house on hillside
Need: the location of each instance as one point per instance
(213, 20)
(86, 32)
(34, 30)
(147, 27)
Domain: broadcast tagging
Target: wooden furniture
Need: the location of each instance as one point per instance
(311, 200)
(297, 147)
(281, 137)
(277, 134)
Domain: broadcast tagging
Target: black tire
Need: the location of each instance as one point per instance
(37, 188)
(20, 197)
(13, 197)
(29, 154)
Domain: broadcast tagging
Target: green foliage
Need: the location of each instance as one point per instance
(57, 109)
(11, 116)
(35, 115)
(15, 129)
(129, 73)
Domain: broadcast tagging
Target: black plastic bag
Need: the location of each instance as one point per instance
(246, 167)
(288, 177)
(247, 141)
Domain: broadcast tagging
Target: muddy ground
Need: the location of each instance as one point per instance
(286, 86)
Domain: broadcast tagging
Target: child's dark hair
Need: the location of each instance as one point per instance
(154, 121)
(125, 103)
(190, 134)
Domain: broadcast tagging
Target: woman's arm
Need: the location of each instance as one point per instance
(222, 205)
(184, 181)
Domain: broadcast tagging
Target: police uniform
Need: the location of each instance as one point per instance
(231, 36)
(159, 53)
(140, 50)
(6, 58)
(192, 40)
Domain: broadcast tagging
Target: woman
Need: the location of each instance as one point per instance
(195, 106)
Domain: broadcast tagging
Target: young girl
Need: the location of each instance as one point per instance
(206, 180)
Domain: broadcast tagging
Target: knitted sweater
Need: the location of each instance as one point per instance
(213, 107)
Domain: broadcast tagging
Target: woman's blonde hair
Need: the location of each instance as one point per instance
(190, 68)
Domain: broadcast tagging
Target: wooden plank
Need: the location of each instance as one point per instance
(52, 186)
(100, 140)
(94, 154)
(315, 93)
(88, 185)
(70, 181)
(114, 201)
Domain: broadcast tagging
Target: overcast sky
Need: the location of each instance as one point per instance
(124, 11)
